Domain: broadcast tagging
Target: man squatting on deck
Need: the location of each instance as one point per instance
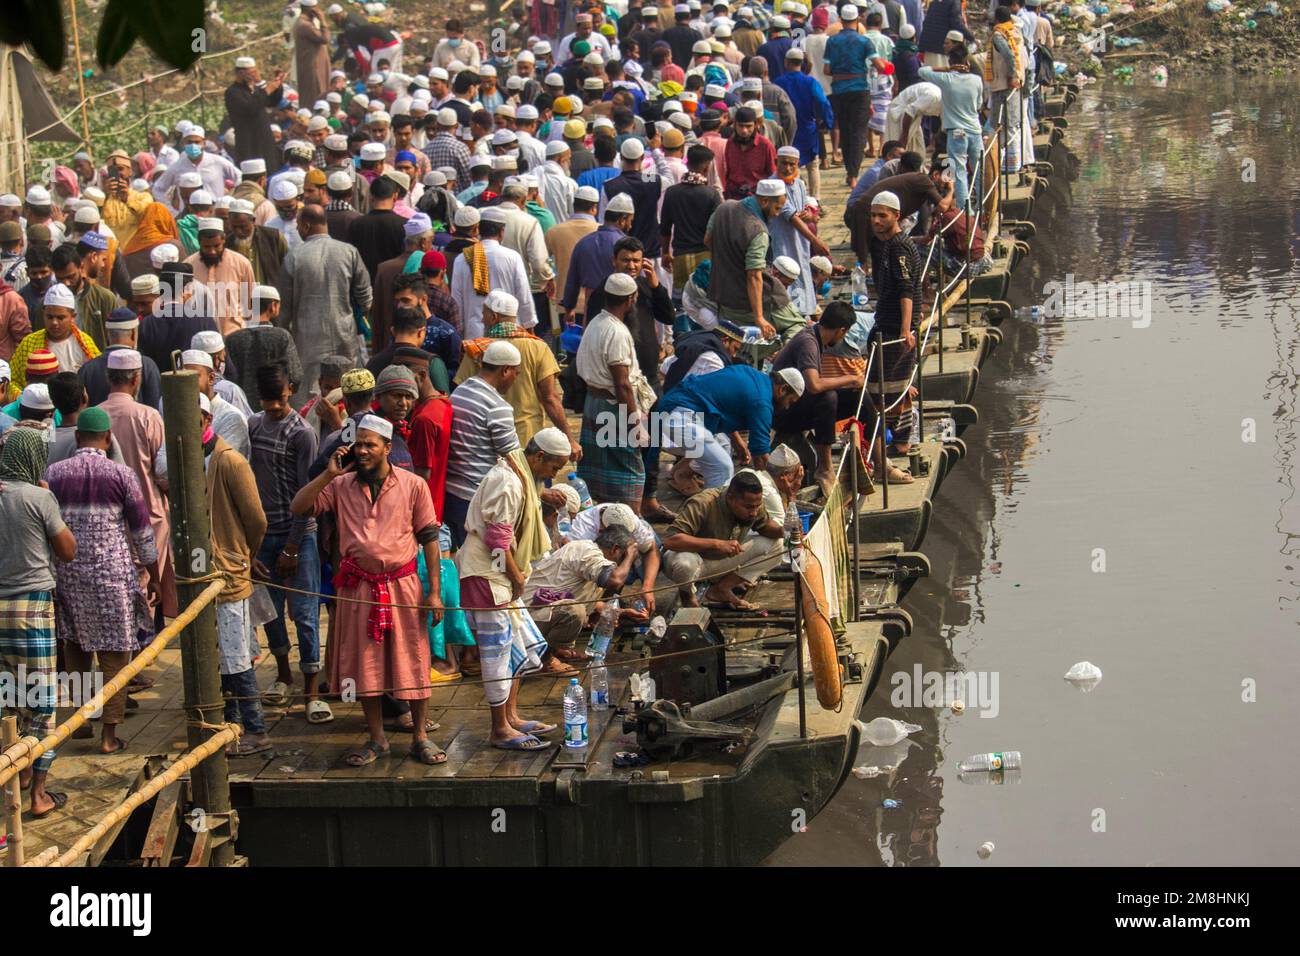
(393, 284)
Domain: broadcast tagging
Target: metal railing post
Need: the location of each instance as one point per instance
(884, 452)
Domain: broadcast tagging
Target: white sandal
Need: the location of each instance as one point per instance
(318, 712)
(277, 695)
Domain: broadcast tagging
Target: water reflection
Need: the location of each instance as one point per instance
(1194, 189)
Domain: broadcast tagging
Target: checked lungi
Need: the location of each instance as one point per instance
(28, 654)
(612, 469)
(900, 363)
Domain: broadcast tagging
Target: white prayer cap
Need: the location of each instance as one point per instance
(541, 48)
(37, 396)
(650, 11)
(525, 56)
(263, 293)
(821, 264)
(501, 163)
(317, 122)
(752, 83)
(435, 177)
(681, 8)
(780, 23)
(620, 283)
(786, 266)
(790, 152)
(505, 109)
(448, 172)
(334, 9)
(245, 63)
(618, 516)
(587, 194)
(242, 207)
(339, 181)
(146, 284)
(793, 378)
(956, 36)
(198, 131)
(501, 353)
(714, 92)
(137, 185)
(886, 199)
(794, 53)
(10, 201)
(503, 303)
(681, 120)
(378, 117)
(492, 214)
(486, 69)
(770, 187)
(553, 79)
(503, 137)
(417, 225)
(61, 296)
(87, 214)
(380, 426)
(373, 152)
(603, 122)
(94, 194)
(209, 341)
(722, 30)
(514, 82)
(211, 225)
(632, 148)
(225, 202)
(592, 83)
(782, 457)
(284, 189)
(399, 177)
(633, 69)
(439, 73)
(526, 112)
(253, 167)
(529, 181)
(360, 99)
(185, 181)
(907, 31)
(848, 12)
(593, 58)
(201, 197)
(124, 359)
(196, 357)
(663, 126)
(332, 99)
(205, 403)
(122, 325)
(701, 46)
(336, 143)
(465, 217)
(374, 79)
(161, 255)
(556, 147)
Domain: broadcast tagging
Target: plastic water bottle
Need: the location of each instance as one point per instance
(794, 537)
(575, 716)
(603, 632)
(599, 685)
(859, 281)
(580, 486)
(1004, 760)
(1030, 313)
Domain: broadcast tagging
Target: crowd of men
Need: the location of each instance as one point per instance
(393, 287)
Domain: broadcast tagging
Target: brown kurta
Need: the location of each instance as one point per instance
(312, 57)
(380, 537)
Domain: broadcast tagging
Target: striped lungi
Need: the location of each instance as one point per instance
(612, 471)
(28, 653)
(900, 363)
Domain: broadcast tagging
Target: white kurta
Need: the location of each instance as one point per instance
(505, 272)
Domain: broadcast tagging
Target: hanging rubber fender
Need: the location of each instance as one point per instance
(817, 631)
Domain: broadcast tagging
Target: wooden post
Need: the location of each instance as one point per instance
(81, 75)
(13, 796)
(191, 546)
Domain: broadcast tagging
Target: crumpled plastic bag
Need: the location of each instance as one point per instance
(885, 731)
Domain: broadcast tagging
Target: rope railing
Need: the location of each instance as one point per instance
(23, 754)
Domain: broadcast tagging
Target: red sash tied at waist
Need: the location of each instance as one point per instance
(380, 621)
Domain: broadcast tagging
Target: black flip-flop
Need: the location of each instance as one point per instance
(60, 801)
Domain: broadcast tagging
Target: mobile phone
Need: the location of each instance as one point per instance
(349, 458)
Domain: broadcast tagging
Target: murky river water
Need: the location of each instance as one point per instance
(1096, 434)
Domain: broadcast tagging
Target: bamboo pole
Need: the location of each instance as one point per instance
(13, 797)
(192, 545)
(81, 74)
(21, 755)
(169, 776)
(44, 858)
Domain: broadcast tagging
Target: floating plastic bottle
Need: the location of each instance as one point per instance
(603, 632)
(575, 716)
(1030, 313)
(580, 486)
(997, 761)
(858, 281)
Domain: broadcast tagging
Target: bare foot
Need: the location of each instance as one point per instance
(728, 597)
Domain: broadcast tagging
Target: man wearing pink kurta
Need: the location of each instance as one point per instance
(384, 515)
(227, 273)
(139, 433)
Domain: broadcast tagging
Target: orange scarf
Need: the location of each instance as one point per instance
(156, 226)
(1011, 33)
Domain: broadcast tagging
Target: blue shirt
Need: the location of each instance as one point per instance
(847, 52)
(774, 51)
(590, 264)
(866, 181)
(963, 93)
(471, 193)
(732, 399)
(809, 101)
(595, 178)
(444, 341)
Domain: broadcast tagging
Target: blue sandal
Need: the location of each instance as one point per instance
(522, 742)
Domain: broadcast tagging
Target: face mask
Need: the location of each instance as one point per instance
(824, 288)
(208, 434)
(40, 285)
(356, 162)
(193, 151)
(453, 42)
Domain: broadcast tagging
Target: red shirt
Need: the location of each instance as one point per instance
(746, 166)
(429, 439)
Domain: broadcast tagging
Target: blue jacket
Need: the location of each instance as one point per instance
(809, 101)
(732, 399)
(774, 51)
(943, 15)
